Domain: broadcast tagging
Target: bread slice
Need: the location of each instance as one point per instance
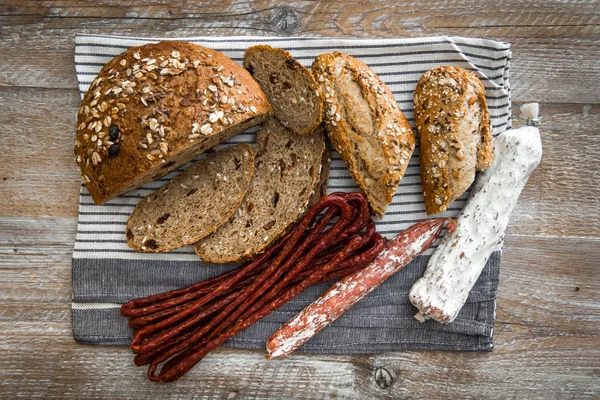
(290, 88)
(365, 125)
(194, 204)
(287, 171)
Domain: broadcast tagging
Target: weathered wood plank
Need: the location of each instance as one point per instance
(547, 329)
(562, 69)
(544, 327)
(41, 178)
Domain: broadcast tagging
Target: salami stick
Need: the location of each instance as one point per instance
(340, 297)
(457, 263)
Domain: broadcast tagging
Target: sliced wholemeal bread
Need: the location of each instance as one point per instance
(194, 204)
(290, 88)
(287, 172)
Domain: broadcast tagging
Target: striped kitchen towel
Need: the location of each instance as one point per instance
(106, 272)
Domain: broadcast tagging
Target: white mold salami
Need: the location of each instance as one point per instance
(461, 256)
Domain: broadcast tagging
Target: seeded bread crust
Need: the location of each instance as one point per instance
(290, 88)
(453, 125)
(155, 107)
(194, 204)
(287, 172)
(365, 126)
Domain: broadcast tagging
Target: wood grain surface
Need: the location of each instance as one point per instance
(547, 333)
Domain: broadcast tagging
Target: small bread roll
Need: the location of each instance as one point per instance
(453, 127)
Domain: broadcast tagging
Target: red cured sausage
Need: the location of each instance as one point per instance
(340, 297)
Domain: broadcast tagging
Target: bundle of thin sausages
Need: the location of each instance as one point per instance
(180, 327)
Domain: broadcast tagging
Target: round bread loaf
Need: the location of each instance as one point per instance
(155, 107)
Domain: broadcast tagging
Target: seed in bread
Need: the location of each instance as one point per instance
(453, 125)
(154, 108)
(290, 88)
(365, 125)
(287, 172)
(194, 204)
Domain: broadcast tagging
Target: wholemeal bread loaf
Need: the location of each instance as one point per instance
(155, 107)
(290, 88)
(194, 204)
(453, 125)
(365, 126)
(287, 171)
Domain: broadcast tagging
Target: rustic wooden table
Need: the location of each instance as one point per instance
(547, 332)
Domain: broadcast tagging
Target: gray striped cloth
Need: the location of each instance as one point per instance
(107, 273)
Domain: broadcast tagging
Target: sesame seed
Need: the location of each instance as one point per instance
(212, 88)
(136, 56)
(150, 157)
(149, 138)
(123, 62)
(175, 54)
(221, 68)
(253, 109)
(193, 136)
